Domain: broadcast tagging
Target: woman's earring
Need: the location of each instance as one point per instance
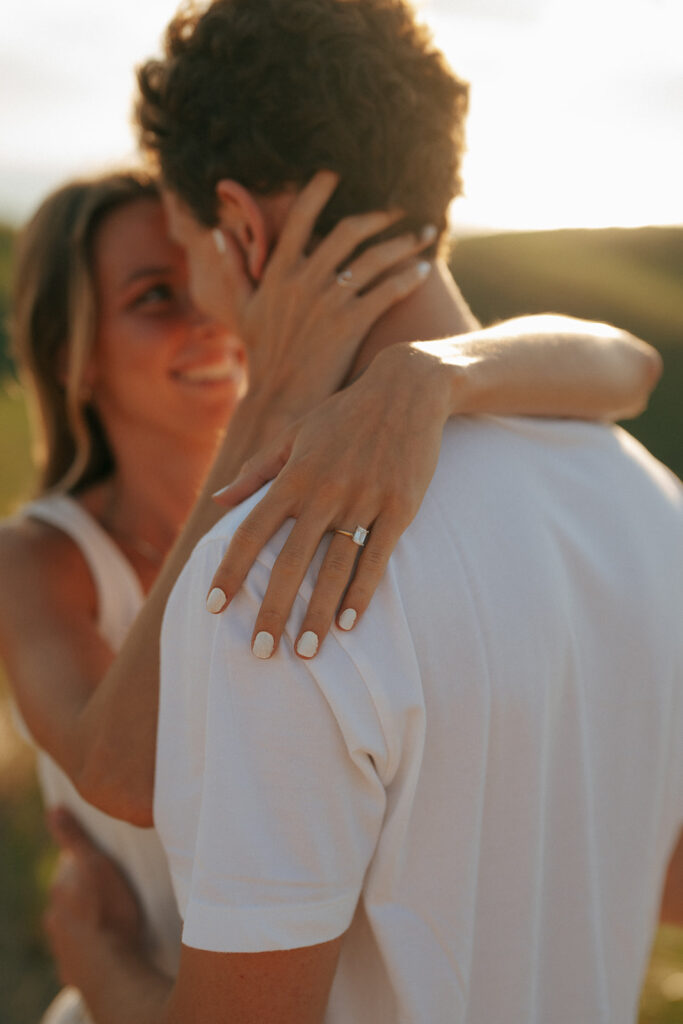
(219, 239)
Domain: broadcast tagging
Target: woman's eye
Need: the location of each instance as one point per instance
(158, 294)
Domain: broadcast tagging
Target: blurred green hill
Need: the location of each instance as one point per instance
(629, 277)
(5, 271)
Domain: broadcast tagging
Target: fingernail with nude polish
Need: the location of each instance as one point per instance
(308, 644)
(216, 601)
(424, 268)
(219, 493)
(428, 234)
(347, 619)
(219, 241)
(263, 645)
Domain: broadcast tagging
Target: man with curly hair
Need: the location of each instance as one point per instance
(437, 818)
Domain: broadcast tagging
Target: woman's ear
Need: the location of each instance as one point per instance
(241, 217)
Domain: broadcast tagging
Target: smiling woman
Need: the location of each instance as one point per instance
(101, 310)
(151, 337)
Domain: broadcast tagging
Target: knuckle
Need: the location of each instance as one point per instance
(358, 596)
(246, 535)
(327, 493)
(320, 613)
(345, 233)
(296, 478)
(397, 510)
(357, 224)
(269, 620)
(394, 250)
(338, 566)
(289, 561)
(374, 559)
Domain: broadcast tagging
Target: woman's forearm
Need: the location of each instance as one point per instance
(117, 726)
(548, 366)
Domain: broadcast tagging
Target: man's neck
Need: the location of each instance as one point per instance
(435, 310)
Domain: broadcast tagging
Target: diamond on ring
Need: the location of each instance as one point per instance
(345, 278)
(358, 536)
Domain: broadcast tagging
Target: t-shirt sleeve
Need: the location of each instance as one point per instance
(289, 802)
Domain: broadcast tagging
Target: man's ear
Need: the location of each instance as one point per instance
(241, 216)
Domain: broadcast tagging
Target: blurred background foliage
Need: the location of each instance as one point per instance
(629, 277)
(632, 278)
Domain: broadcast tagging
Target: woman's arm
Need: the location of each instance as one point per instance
(549, 365)
(367, 455)
(63, 675)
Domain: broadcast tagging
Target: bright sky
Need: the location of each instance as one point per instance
(576, 114)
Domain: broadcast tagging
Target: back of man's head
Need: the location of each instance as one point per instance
(267, 92)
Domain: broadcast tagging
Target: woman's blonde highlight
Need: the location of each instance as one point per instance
(54, 325)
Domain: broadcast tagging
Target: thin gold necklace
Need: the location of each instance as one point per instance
(154, 555)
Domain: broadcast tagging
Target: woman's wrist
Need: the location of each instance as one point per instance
(260, 416)
(426, 369)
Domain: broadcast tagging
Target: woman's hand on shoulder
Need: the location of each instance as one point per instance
(365, 458)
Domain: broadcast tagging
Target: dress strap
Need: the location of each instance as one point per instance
(119, 592)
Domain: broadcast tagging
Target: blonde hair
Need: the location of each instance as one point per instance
(54, 323)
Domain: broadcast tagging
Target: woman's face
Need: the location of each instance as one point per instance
(158, 364)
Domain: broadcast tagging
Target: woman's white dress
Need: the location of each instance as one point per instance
(138, 851)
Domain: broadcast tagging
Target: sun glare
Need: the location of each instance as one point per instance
(575, 106)
(572, 111)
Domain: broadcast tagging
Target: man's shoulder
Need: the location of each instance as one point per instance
(512, 452)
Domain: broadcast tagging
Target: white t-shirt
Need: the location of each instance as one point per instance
(483, 781)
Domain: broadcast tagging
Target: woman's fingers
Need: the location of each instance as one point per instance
(369, 571)
(286, 577)
(378, 300)
(384, 257)
(337, 248)
(252, 478)
(249, 539)
(337, 568)
(302, 217)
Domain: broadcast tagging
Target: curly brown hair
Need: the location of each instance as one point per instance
(267, 92)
